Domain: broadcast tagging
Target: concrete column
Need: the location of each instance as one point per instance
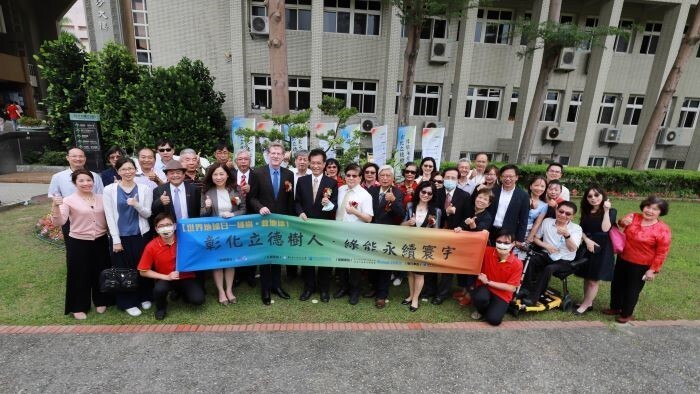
(316, 60)
(241, 99)
(670, 40)
(463, 67)
(528, 81)
(692, 160)
(598, 67)
(392, 70)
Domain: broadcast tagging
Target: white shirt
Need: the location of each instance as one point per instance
(183, 199)
(239, 174)
(503, 202)
(548, 233)
(472, 183)
(297, 176)
(358, 195)
(62, 185)
(565, 193)
(223, 202)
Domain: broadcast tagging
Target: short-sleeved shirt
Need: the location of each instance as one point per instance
(358, 195)
(548, 233)
(509, 272)
(62, 185)
(160, 257)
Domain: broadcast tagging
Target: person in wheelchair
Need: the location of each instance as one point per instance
(559, 238)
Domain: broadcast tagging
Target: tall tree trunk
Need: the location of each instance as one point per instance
(278, 57)
(548, 61)
(657, 116)
(409, 71)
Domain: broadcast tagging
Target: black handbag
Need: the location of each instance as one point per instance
(118, 279)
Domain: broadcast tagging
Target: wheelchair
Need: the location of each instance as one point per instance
(551, 298)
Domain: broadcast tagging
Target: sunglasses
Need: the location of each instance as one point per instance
(352, 176)
(424, 193)
(370, 172)
(409, 172)
(565, 213)
(165, 149)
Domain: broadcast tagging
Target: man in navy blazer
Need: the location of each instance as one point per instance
(511, 206)
(310, 205)
(272, 192)
(387, 202)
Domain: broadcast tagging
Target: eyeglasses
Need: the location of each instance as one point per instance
(440, 182)
(165, 149)
(370, 172)
(424, 193)
(409, 172)
(565, 213)
(352, 176)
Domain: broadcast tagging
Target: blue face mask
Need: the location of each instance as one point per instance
(450, 184)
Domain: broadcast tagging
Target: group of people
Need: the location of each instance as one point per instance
(127, 218)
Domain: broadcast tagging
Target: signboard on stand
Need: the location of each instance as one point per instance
(88, 137)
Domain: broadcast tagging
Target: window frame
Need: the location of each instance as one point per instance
(426, 97)
(296, 90)
(548, 103)
(651, 37)
(605, 105)
(633, 108)
(574, 104)
(686, 109)
(473, 99)
(595, 21)
(349, 91)
(513, 105)
(353, 11)
(267, 88)
(593, 159)
(288, 8)
(145, 38)
(482, 23)
(626, 25)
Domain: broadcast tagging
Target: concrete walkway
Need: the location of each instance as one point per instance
(13, 193)
(630, 358)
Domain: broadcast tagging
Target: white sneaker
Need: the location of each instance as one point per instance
(476, 315)
(397, 282)
(146, 305)
(134, 311)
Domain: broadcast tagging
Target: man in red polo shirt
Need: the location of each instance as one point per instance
(158, 263)
(500, 276)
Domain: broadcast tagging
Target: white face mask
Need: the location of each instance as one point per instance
(504, 247)
(166, 231)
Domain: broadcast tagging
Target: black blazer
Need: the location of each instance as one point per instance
(432, 210)
(193, 196)
(515, 219)
(461, 201)
(304, 201)
(262, 194)
(484, 221)
(249, 180)
(396, 211)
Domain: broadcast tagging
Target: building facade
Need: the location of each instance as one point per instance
(469, 77)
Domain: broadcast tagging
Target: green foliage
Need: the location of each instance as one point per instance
(28, 121)
(297, 125)
(46, 157)
(180, 103)
(111, 75)
(61, 64)
(625, 182)
(331, 106)
(413, 12)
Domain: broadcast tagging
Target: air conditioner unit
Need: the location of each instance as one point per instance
(259, 25)
(553, 133)
(439, 51)
(667, 137)
(432, 124)
(567, 59)
(609, 136)
(366, 125)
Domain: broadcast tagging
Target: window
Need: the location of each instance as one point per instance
(619, 161)
(360, 17)
(650, 38)
(622, 44)
(398, 97)
(607, 109)
(527, 17)
(299, 93)
(675, 164)
(550, 107)
(426, 100)
(363, 95)
(139, 14)
(432, 28)
(257, 8)
(591, 23)
(482, 103)
(513, 104)
(597, 161)
(493, 26)
(262, 92)
(574, 107)
(3, 27)
(298, 15)
(689, 113)
(633, 110)
(654, 163)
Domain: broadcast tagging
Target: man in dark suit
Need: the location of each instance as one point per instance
(387, 203)
(272, 192)
(314, 193)
(244, 177)
(455, 204)
(510, 206)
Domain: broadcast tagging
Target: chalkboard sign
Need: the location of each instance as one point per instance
(86, 133)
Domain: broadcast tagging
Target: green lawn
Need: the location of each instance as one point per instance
(32, 274)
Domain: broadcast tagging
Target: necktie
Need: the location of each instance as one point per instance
(315, 188)
(341, 208)
(176, 204)
(448, 201)
(276, 182)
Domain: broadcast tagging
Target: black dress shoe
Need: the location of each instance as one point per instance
(340, 293)
(325, 297)
(412, 308)
(354, 298)
(281, 293)
(160, 314)
(266, 297)
(305, 295)
(437, 300)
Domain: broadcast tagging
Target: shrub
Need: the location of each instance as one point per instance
(52, 158)
(28, 121)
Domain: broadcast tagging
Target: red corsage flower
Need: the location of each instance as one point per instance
(287, 186)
